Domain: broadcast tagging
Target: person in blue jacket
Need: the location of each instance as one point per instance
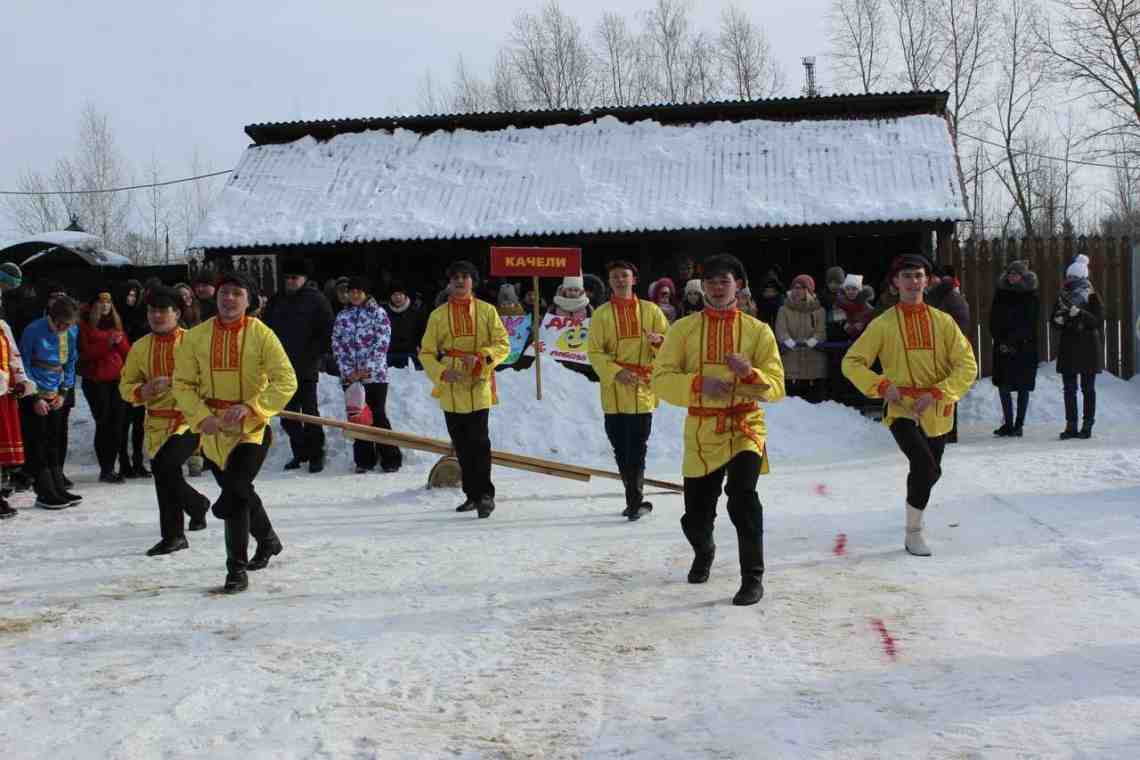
(50, 347)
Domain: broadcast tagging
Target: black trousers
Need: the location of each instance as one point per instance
(366, 453)
(925, 457)
(629, 435)
(41, 437)
(306, 441)
(1088, 392)
(472, 444)
(134, 421)
(239, 505)
(64, 425)
(1006, 396)
(175, 495)
(109, 412)
(811, 391)
(744, 508)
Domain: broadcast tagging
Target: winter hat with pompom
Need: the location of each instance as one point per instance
(853, 281)
(1079, 268)
(693, 287)
(805, 280)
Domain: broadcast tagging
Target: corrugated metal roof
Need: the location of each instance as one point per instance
(605, 176)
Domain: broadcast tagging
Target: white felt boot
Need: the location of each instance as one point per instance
(915, 544)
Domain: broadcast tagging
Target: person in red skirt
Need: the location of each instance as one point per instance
(13, 383)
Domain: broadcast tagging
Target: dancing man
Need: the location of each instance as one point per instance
(625, 335)
(169, 441)
(928, 365)
(231, 377)
(718, 363)
(464, 341)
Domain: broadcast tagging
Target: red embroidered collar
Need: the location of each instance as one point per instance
(728, 313)
(911, 309)
(234, 326)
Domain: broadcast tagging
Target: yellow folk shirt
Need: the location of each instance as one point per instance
(152, 356)
(922, 350)
(464, 328)
(219, 365)
(617, 341)
(695, 347)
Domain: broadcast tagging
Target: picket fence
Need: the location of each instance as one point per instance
(980, 263)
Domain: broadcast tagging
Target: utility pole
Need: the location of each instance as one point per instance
(810, 89)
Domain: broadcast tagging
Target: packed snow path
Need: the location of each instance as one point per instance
(392, 627)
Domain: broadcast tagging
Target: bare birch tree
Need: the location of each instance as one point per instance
(551, 58)
(469, 94)
(622, 62)
(744, 50)
(859, 46)
(429, 98)
(506, 92)
(35, 212)
(100, 166)
(920, 44)
(667, 28)
(966, 26)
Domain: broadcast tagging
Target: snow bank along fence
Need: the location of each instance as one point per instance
(1111, 269)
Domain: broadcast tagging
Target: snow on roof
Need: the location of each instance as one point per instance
(604, 176)
(85, 245)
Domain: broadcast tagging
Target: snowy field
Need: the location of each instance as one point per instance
(392, 627)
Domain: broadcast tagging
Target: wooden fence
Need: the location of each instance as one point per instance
(979, 264)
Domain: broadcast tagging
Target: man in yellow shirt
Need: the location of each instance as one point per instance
(718, 363)
(463, 343)
(146, 382)
(625, 335)
(928, 366)
(231, 377)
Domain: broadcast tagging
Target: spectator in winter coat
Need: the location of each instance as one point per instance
(360, 341)
(52, 292)
(203, 283)
(50, 349)
(661, 292)
(1079, 314)
(770, 300)
(508, 301)
(801, 325)
(103, 347)
(854, 304)
(694, 298)
(14, 384)
(595, 290)
(570, 300)
(407, 320)
(946, 294)
(1013, 325)
(191, 310)
(302, 320)
(833, 283)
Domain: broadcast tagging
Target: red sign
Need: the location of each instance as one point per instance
(535, 262)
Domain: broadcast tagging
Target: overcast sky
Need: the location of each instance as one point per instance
(175, 76)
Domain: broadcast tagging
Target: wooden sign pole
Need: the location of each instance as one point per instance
(535, 332)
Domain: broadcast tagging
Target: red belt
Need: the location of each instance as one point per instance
(645, 372)
(739, 414)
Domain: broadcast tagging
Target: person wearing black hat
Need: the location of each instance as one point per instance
(302, 318)
(719, 364)
(145, 383)
(231, 377)
(360, 342)
(927, 367)
(408, 325)
(463, 343)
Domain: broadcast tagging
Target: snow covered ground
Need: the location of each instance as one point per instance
(392, 627)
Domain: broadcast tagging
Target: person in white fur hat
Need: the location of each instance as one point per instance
(571, 299)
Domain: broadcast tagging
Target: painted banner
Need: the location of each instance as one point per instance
(564, 339)
(518, 330)
(535, 262)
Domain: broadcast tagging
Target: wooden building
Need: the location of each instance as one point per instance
(797, 183)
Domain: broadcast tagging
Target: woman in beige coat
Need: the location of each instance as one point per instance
(800, 326)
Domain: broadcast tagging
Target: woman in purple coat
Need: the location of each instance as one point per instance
(360, 339)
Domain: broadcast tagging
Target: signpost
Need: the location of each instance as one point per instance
(535, 262)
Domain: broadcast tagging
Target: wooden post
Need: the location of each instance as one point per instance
(537, 329)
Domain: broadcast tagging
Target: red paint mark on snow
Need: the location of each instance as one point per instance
(821, 489)
(889, 646)
(840, 545)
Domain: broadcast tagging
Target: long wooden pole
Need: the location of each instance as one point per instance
(504, 458)
(536, 331)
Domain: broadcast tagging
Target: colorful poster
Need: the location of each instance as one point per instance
(518, 330)
(564, 338)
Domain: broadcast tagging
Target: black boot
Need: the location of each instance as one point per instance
(198, 514)
(268, 547)
(702, 564)
(751, 591)
(630, 507)
(1086, 429)
(1070, 430)
(294, 463)
(61, 488)
(6, 510)
(643, 507)
(317, 463)
(47, 494)
(1004, 431)
(751, 569)
(486, 506)
(110, 476)
(467, 506)
(168, 546)
(236, 582)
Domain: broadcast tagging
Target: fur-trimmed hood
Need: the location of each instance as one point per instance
(1028, 283)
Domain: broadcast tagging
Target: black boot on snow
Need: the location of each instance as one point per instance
(268, 547)
(467, 506)
(751, 591)
(486, 506)
(236, 582)
(1005, 430)
(61, 488)
(47, 495)
(6, 510)
(702, 564)
(1086, 430)
(198, 514)
(168, 546)
(1070, 431)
